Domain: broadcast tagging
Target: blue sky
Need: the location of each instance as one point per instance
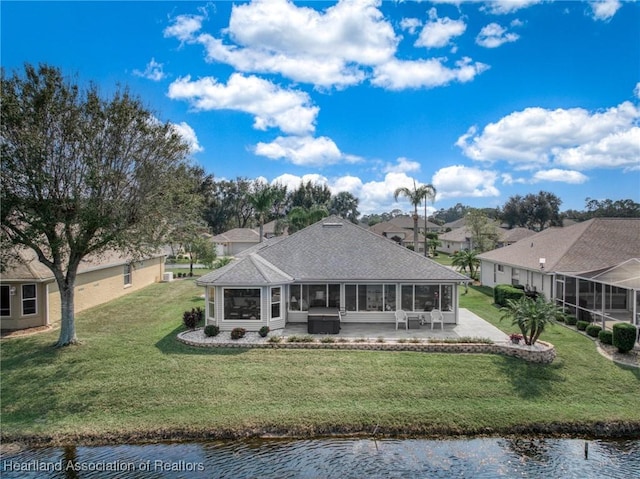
(484, 100)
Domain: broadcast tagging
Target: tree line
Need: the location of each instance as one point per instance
(83, 174)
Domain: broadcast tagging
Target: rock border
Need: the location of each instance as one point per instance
(541, 353)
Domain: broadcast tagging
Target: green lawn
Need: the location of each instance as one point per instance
(131, 380)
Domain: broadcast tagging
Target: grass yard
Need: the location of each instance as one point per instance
(130, 380)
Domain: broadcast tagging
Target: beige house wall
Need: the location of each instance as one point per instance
(17, 320)
(102, 285)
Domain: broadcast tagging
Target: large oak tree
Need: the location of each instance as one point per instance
(82, 175)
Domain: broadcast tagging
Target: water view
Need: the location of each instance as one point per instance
(344, 458)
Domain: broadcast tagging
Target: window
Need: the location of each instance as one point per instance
(127, 274)
(351, 297)
(29, 303)
(242, 303)
(275, 303)
(425, 297)
(212, 303)
(5, 300)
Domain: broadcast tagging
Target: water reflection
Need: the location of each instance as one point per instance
(344, 458)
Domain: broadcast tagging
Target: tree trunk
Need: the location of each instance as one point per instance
(67, 321)
(415, 230)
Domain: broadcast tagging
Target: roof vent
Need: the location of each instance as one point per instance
(332, 225)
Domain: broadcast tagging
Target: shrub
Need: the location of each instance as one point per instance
(211, 330)
(503, 292)
(593, 330)
(570, 319)
(605, 336)
(275, 339)
(192, 318)
(624, 336)
(582, 325)
(327, 340)
(264, 330)
(561, 318)
(237, 333)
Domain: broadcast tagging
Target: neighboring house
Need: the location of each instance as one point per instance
(461, 238)
(270, 229)
(29, 295)
(334, 265)
(400, 230)
(234, 241)
(592, 267)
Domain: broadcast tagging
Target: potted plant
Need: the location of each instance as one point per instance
(515, 338)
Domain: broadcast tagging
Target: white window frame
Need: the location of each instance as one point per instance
(279, 302)
(127, 275)
(224, 309)
(211, 308)
(25, 299)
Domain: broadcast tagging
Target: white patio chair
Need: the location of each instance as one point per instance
(401, 317)
(436, 317)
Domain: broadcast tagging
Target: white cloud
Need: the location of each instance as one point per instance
(494, 35)
(189, 136)
(292, 182)
(398, 74)
(571, 137)
(410, 24)
(604, 9)
(558, 175)
(501, 7)
(184, 27)
(275, 36)
(272, 106)
(153, 71)
(304, 151)
(462, 181)
(439, 31)
(617, 150)
(402, 165)
(636, 90)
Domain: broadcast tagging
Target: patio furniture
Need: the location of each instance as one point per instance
(323, 321)
(436, 317)
(401, 317)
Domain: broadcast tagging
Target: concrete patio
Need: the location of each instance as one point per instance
(469, 325)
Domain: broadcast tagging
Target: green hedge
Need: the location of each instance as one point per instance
(503, 292)
(624, 336)
(605, 336)
(593, 330)
(582, 325)
(570, 319)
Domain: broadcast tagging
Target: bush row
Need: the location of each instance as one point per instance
(504, 292)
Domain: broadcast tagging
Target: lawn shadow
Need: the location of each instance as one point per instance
(530, 380)
(169, 344)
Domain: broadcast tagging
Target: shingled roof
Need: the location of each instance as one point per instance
(334, 249)
(591, 245)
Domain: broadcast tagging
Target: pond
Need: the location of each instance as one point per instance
(325, 458)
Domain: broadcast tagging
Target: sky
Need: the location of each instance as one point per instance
(483, 100)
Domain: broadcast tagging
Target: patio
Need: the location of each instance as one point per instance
(469, 325)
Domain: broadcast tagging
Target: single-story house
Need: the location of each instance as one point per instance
(234, 241)
(461, 238)
(591, 268)
(333, 268)
(29, 295)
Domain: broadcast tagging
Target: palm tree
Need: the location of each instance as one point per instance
(430, 194)
(531, 316)
(466, 259)
(262, 198)
(415, 197)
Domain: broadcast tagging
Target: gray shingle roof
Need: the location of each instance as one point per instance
(594, 244)
(335, 249)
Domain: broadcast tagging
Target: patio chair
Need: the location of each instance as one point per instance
(436, 317)
(401, 317)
